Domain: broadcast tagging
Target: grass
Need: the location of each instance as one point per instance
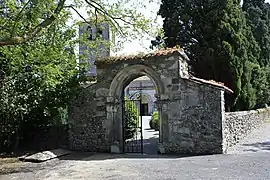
(8, 160)
(9, 165)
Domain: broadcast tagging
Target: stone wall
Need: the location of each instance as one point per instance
(87, 116)
(191, 112)
(194, 119)
(237, 125)
(95, 115)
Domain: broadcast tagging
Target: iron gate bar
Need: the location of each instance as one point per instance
(135, 142)
(131, 145)
(140, 105)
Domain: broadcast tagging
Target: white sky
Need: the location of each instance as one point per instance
(150, 11)
(141, 45)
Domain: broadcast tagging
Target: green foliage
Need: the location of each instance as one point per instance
(154, 123)
(131, 118)
(23, 21)
(257, 14)
(39, 73)
(220, 43)
(38, 80)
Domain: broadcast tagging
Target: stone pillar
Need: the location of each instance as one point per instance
(161, 103)
(114, 115)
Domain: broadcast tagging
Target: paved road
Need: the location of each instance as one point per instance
(150, 139)
(241, 163)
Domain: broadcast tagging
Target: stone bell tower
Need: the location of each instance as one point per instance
(102, 31)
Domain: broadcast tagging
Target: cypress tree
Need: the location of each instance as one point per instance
(257, 13)
(258, 16)
(219, 42)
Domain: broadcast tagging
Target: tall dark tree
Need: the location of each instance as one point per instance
(258, 16)
(258, 13)
(219, 42)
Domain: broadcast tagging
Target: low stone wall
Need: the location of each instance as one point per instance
(237, 125)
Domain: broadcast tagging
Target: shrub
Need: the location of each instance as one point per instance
(131, 118)
(154, 122)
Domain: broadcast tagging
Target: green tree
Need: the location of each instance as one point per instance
(258, 16)
(218, 40)
(39, 72)
(25, 20)
(131, 118)
(154, 123)
(39, 78)
(257, 13)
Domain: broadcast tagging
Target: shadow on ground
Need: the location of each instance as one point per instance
(85, 156)
(259, 146)
(88, 156)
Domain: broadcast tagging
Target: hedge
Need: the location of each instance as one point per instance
(131, 118)
(154, 122)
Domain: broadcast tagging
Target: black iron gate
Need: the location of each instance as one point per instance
(132, 125)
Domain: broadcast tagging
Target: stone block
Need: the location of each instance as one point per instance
(164, 107)
(115, 148)
(100, 113)
(46, 155)
(102, 92)
(110, 99)
(167, 81)
(183, 130)
(186, 144)
(111, 108)
(162, 65)
(164, 97)
(175, 66)
(161, 148)
(100, 103)
(171, 58)
(175, 81)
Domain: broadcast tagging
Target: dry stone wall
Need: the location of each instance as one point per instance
(237, 125)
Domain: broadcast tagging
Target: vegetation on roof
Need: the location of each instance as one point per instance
(157, 53)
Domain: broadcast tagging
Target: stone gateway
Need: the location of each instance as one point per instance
(191, 110)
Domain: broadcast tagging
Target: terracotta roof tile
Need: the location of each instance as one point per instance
(212, 82)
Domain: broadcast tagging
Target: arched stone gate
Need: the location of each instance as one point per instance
(191, 109)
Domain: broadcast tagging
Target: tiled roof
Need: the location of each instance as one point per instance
(213, 83)
(158, 53)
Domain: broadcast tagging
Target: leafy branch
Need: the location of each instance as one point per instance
(14, 40)
(114, 18)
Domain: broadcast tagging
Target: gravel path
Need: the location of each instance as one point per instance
(248, 160)
(257, 141)
(150, 137)
(227, 167)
